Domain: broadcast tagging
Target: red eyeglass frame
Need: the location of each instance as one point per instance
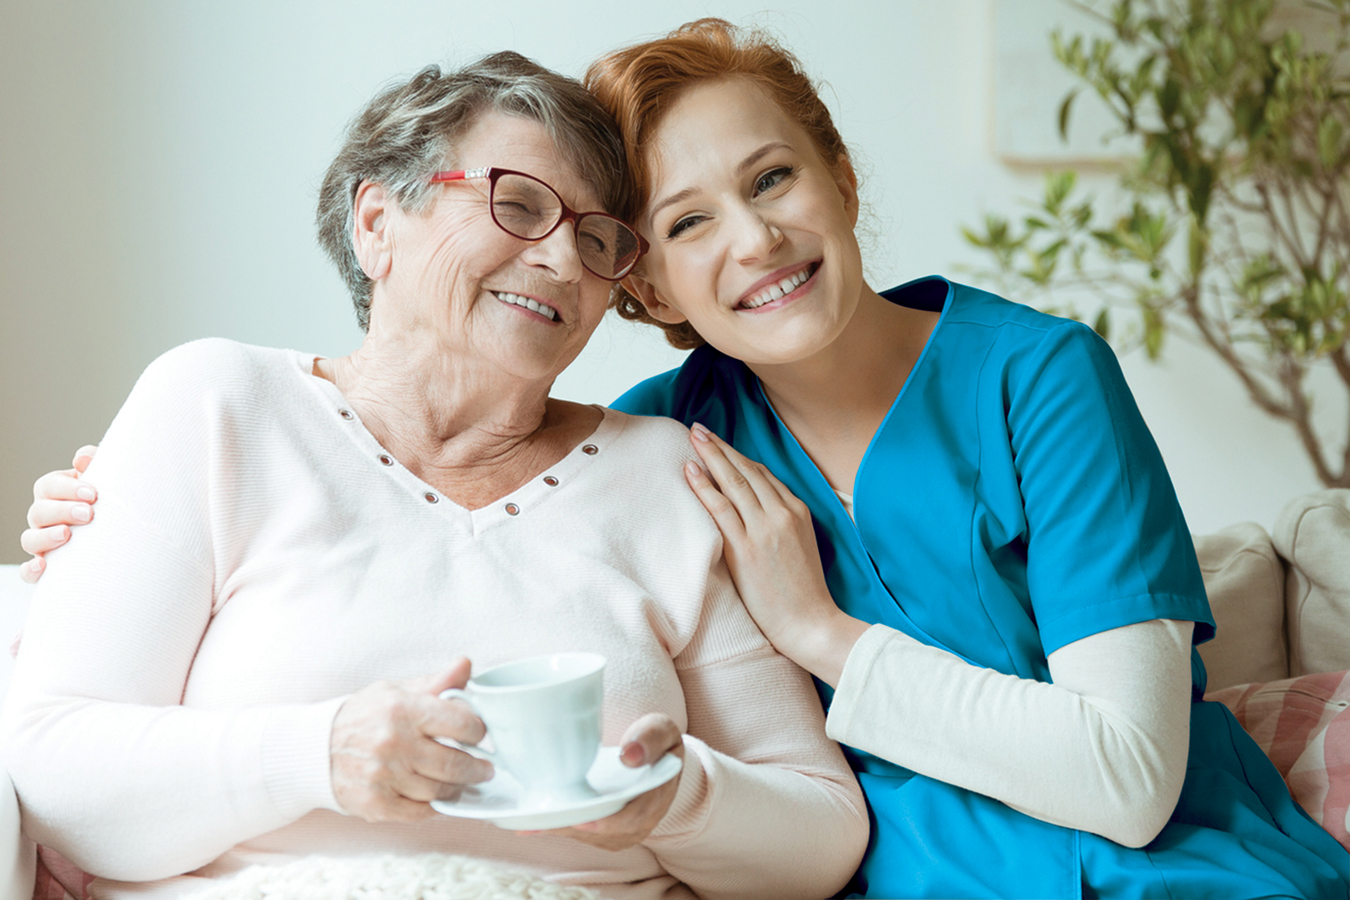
(568, 214)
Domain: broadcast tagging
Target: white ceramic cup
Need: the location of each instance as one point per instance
(543, 715)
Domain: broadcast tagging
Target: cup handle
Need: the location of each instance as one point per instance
(471, 749)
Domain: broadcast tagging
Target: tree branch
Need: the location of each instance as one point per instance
(1258, 392)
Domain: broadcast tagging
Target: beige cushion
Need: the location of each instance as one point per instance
(1245, 581)
(1313, 534)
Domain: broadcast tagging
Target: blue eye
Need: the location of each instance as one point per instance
(771, 179)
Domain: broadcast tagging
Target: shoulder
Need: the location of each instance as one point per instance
(200, 388)
(703, 389)
(646, 459)
(1014, 322)
(209, 359)
(1022, 342)
(658, 441)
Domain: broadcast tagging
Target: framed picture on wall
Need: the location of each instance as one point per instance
(1030, 84)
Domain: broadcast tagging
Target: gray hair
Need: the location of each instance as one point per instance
(409, 131)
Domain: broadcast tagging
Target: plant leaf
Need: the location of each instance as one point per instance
(1064, 108)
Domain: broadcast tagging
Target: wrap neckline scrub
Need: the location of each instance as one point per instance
(998, 514)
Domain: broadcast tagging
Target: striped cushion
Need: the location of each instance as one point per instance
(1303, 725)
(58, 878)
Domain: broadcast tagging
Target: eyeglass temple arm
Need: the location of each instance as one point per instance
(461, 174)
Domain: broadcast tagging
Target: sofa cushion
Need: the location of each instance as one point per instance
(1313, 534)
(1245, 581)
(1303, 725)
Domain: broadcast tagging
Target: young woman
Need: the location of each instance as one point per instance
(1002, 627)
(947, 508)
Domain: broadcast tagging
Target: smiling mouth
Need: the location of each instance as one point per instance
(781, 288)
(533, 306)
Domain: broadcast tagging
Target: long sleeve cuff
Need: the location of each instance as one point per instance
(839, 723)
(689, 810)
(296, 763)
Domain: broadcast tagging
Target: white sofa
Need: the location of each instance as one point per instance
(17, 856)
(1281, 600)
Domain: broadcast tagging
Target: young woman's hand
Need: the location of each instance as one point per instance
(646, 740)
(385, 762)
(60, 501)
(771, 550)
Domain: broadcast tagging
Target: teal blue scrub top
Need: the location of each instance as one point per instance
(1012, 502)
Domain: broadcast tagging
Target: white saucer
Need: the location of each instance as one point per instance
(502, 800)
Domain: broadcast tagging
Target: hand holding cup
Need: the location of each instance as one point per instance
(543, 719)
(646, 740)
(386, 764)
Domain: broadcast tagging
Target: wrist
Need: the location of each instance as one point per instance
(822, 646)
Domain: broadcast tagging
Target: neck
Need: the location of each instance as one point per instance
(469, 429)
(857, 376)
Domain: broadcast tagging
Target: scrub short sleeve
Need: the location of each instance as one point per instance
(1106, 541)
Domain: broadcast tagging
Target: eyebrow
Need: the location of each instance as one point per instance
(744, 164)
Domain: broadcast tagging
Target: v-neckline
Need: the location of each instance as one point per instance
(513, 505)
(915, 370)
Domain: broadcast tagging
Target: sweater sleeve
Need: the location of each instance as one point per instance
(767, 805)
(1102, 749)
(111, 769)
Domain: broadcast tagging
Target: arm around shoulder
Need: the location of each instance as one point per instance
(112, 769)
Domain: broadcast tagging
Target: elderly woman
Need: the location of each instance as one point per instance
(230, 665)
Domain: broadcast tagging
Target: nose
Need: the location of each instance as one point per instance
(754, 237)
(557, 253)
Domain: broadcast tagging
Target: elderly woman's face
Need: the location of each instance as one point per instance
(458, 278)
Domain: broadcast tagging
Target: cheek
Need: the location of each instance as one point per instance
(460, 262)
(684, 277)
(595, 299)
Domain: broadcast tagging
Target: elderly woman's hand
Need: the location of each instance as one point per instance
(646, 740)
(386, 763)
(60, 500)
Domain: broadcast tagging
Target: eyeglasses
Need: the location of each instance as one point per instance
(527, 208)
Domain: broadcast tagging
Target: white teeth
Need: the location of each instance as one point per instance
(776, 291)
(517, 300)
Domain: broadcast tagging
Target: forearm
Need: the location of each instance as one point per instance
(111, 769)
(775, 811)
(138, 793)
(1103, 749)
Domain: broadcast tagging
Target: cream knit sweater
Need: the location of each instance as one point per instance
(256, 557)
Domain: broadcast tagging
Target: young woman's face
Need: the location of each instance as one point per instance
(751, 232)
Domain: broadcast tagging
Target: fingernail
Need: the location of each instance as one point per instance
(700, 433)
(86, 493)
(80, 513)
(633, 754)
(692, 469)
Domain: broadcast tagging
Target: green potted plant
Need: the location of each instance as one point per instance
(1235, 222)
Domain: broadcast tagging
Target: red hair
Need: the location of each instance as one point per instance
(639, 84)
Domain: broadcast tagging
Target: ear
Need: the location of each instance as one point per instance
(652, 301)
(370, 230)
(847, 182)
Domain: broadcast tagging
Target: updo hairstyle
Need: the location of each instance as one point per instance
(639, 84)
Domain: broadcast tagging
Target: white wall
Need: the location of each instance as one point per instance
(160, 161)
